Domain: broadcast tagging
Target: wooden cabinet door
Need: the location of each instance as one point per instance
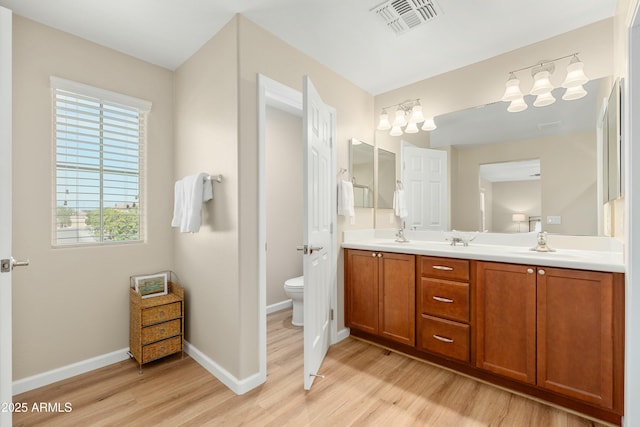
(506, 320)
(397, 294)
(575, 334)
(361, 290)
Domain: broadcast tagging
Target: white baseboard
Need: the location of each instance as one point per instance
(342, 334)
(59, 374)
(282, 305)
(237, 386)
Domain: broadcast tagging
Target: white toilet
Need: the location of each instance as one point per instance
(294, 288)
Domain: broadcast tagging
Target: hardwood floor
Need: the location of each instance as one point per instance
(364, 385)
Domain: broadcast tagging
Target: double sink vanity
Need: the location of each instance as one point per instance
(545, 324)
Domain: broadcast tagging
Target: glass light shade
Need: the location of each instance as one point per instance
(544, 99)
(517, 105)
(429, 124)
(512, 90)
(542, 83)
(384, 123)
(400, 119)
(575, 74)
(411, 128)
(575, 92)
(416, 115)
(396, 131)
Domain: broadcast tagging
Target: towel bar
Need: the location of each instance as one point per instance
(217, 178)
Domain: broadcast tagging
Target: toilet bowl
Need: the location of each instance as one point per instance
(294, 288)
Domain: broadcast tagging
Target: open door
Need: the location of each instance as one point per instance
(5, 215)
(424, 174)
(318, 193)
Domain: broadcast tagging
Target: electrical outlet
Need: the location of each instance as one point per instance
(554, 219)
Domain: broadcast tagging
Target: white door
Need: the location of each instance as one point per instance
(5, 214)
(425, 183)
(318, 186)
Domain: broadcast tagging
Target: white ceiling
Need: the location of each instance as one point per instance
(341, 34)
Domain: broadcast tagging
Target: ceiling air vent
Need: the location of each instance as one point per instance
(404, 15)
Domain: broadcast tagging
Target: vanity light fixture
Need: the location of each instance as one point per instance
(542, 86)
(408, 115)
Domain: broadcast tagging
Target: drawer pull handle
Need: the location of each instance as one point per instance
(442, 267)
(443, 339)
(441, 299)
(161, 313)
(162, 331)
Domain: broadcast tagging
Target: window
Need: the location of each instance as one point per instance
(98, 165)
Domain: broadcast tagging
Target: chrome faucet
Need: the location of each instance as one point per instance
(542, 246)
(400, 237)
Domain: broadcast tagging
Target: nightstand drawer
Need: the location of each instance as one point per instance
(161, 331)
(450, 339)
(161, 348)
(445, 268)
(161, 313)
(444, 298)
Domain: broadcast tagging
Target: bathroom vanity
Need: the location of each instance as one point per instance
(546, 325)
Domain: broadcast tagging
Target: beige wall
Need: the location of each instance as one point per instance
(569, 159)
(71, 304)
(206, 140)
(284, 200)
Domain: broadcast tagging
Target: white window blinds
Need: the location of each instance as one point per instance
(98, 156)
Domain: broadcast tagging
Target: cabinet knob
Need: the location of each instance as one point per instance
(541, 272)
(379, 255)
(373, 254)
(530, 270)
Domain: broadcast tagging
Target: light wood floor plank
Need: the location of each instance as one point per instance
(364, 385)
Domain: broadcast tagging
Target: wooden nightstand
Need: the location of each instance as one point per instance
(156, 325)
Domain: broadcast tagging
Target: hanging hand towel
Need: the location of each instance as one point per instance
(346, 200)
(189, 194)
(400, 204)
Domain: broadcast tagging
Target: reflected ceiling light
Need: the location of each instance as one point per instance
(575, 92)
(542, 86)
(517, 105)
(544, 99)
(408, 113)
(429, 124)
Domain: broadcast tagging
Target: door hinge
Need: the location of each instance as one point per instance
(331, 228)
(331, 314)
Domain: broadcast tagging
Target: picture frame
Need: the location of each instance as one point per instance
(153, 285)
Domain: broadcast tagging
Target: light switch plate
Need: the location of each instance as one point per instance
(554, 219)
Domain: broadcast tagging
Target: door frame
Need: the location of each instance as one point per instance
(275, 94)
(6, 377)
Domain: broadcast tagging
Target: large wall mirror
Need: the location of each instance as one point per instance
(361, 172)
(564, 141)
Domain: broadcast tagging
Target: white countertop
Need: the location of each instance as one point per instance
(601, 253)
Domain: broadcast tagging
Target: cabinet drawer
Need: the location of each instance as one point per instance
(446, 299)
(445, 268)
(161, 348)
(161, 313)
(450, 339)
(161, 331)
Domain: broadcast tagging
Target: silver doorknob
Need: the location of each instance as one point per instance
(314, 248)
(6, 265)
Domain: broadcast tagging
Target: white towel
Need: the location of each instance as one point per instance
(400, 204)
(346, 200)
(189, 193)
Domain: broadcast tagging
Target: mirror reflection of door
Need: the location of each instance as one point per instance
(510, 196)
